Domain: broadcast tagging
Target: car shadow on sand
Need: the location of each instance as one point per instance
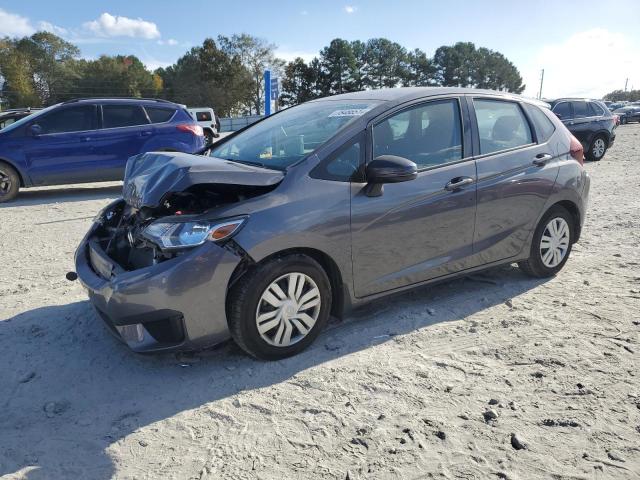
(65, 194)
(70, 391)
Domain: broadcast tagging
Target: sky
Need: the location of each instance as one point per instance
(586, 48)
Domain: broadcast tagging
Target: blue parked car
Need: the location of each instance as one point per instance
(90, 140)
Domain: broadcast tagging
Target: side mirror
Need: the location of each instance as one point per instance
(558, 115)
(388, 169)
(35, 130)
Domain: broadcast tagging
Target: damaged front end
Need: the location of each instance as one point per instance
(169, 206)
(157, 262)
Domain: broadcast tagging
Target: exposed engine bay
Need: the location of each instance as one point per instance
(166, 191)
(120, 228)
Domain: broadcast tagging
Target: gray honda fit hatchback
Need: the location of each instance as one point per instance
(327, 205)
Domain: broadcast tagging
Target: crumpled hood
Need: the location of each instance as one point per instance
(150, 176)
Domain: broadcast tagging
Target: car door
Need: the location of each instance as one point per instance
(517, 168)
(62, 151)
(584, 122)
(125, 129)
(423, 228)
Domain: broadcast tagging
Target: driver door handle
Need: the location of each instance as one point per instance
(458, 182)
(542, 159)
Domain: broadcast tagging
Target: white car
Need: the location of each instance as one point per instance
(208, 120)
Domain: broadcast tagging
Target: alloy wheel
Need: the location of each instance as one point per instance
(5, 183)
(554, 243)
(288, 309)
(598, 148)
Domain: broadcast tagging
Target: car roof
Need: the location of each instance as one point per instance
(405, 94)
(573, 99)
(107, 100)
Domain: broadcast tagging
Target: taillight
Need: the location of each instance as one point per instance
(191, 128)
(576, 150)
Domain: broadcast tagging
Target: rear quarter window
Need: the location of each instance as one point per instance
(159, 114)
(595, 109)
(543, 125)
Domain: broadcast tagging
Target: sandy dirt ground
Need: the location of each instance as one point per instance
(492, 376)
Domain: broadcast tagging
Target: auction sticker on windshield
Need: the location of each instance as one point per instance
(349, 112)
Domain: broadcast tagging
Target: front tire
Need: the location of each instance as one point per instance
(9, 183)
(597, 149)
(279, 308)
(551, 245)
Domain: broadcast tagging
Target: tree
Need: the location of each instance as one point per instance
(36, 69)
(299, 83)
(386, 63)
(620, 95)
(462, 65)
(420, 71)
(338, 67)
(207, 76)
(118, 76)
(256, 55)
(455, 66)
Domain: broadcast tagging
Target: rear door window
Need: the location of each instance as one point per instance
(562, 110)
(114, 116)
(580, 110)
(501, 125)
(159, 115)
(72, 119)
(543, 125)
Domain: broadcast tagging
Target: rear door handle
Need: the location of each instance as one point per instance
(542, 159)
(457, 183)
(145, 133)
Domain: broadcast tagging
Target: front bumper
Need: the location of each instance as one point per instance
(178, 304)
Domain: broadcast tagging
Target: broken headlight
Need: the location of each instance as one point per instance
(172, 235)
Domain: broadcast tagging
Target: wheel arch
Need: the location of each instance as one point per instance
(604, 133)
(21, 176)
(339, 291)
(573, 209)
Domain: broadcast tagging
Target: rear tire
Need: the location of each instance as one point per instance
(208, 138)
(551, 244)
(597, 149)
(279, 326)
(9, 182)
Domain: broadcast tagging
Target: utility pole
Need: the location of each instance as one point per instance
(541, 81)
(625, 84)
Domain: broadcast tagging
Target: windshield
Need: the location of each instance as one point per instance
(280, 141)
(28, 118)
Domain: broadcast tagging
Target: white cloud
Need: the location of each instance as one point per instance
(587, 64)
(50, 27)
(13, 25)
(108, 25)
(171, 42)
(350, 9)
